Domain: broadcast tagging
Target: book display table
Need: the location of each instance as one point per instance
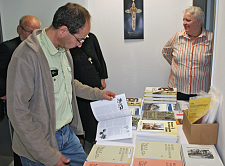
(131, 141)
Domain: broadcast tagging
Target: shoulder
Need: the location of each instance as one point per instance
(92, 36)
(11, 45)
(180, 33)
(175, 37)
(208, 32)
(30, 47)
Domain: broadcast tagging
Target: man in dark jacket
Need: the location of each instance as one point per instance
(90, 69)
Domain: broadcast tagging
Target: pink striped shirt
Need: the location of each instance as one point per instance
(190, 63)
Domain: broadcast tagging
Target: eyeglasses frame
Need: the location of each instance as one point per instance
(27, 32)
(79, 41)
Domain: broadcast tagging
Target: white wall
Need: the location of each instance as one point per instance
(218, 74)
(135, 64)
(44, 10)
(132, 64)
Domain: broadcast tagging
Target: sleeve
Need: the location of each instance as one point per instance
(103, 73)
(87, 92)
(20, 91)
(5, 56)
(167, 50)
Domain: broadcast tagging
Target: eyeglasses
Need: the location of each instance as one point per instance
(27, 32)
(80, 42)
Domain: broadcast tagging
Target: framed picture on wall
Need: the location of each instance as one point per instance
(133, 19)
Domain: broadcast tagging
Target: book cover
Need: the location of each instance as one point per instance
(157, 150)
(200, 155)
(135, 121)
(157, 126)
(134, 105)
(156, 162)
(158, 115)
(160, 91)
(133, 101)
(108, 153)
(159, 101)
(87, 163)
(159, 95)
(157, 107)
(160, 98)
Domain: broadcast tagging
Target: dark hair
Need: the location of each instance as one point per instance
(72, 15)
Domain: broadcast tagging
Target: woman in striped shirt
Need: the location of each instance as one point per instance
(189, 52)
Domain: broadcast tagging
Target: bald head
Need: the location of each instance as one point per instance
(27, 25)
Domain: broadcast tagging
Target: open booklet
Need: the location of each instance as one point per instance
(114, 118)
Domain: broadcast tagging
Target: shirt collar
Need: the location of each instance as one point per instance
(183, 33)
(48, 44)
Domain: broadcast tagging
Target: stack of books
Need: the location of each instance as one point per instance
(159, 95)
(200, 155)
(157, 153)
(152, 112)
(110, 155)
(134, 105)
(157, 131)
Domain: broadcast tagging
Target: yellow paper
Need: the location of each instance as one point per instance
(157, 150)
(111, 153)
(198, 107)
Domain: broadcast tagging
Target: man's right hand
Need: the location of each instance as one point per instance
(63, 161)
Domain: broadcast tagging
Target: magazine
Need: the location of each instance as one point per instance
(111, 153)
(201, 155)
(114, 117)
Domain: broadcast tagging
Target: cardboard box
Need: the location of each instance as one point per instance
(203, 134)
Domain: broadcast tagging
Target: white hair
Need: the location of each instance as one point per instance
(196, 11)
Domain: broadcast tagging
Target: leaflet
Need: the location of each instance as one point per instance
(114, 117)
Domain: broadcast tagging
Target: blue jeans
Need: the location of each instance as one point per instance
(69, 146)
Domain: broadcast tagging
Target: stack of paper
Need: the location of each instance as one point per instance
(157, 131)
(200, 155)
(111, 154)
(160, 95)
(157, 153)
